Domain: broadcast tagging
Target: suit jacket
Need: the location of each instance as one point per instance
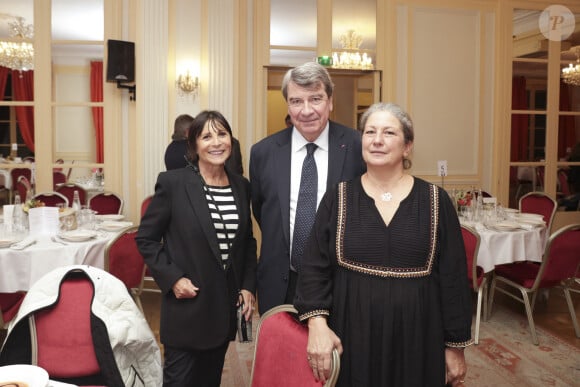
(177, 239)
(270, 182)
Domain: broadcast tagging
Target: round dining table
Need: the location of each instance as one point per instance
(20, 268)
(507, 245)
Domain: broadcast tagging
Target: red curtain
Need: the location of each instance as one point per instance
(519, 138)
(566, 131)
(23, 84)
(97, 96)
(3, 78)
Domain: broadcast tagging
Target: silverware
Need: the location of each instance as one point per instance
(55, 240)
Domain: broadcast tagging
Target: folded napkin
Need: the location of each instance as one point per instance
(23, 243)
(527, 226)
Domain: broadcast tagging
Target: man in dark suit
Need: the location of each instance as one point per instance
(275, 174)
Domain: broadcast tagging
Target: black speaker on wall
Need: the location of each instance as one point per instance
(121, 61)
(121, 64)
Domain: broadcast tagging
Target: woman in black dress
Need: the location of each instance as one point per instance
(384, 278)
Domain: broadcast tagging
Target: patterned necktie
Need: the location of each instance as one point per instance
(306, 206)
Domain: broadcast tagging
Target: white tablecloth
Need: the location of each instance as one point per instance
(19, 269)
(500, 247)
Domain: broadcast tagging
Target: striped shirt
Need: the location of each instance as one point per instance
(225, 214)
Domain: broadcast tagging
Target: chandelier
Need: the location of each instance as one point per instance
(350, 56)
(571, 74)
(17, 54)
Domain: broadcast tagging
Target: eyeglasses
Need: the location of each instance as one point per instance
(297, 103)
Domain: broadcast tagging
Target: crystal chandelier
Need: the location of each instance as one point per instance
(350, 57)
(18, 54)
(571, 74)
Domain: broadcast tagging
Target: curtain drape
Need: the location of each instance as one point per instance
(4, 71)
(23, 84)
(519, 130)
(97, 96)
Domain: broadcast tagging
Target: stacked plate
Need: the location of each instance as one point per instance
(23, 375)
(111, 225)
(112, 217)
(533, 219)
(504, 226)
(78, 235)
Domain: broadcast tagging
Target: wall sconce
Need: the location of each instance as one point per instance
(186, 84)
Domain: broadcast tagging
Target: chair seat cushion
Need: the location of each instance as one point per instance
(524, 274)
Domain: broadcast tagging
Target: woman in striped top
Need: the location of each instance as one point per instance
(196, 238)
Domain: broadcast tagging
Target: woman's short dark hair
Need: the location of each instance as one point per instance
(308, 75)
(215, 119)
(399, 114)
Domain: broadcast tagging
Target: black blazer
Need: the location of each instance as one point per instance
(270, 182)
(179, 216)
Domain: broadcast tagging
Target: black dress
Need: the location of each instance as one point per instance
(396, 295)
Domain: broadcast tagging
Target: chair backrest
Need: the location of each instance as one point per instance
(541, 204)
(22, 187)
(123, 259)
(563, 182)
(561, 257)
(471, 241)
(280, 352)
(9, 304)
(64, 340)
(145, 204)
(17, 172)
(58, 178)
(106, 203)
(52, 199)
(68, 190)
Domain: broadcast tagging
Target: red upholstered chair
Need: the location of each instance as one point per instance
(149, 284)
(476, 275)
(558, 269)
(15, 174)
(52, 199)
(64, 340)
(106, 203)
(541, 204)
(58, 179)
(123, 260)
(145, 204)
(23, 186)
(9, 304)
(68, 190)
(280, 352)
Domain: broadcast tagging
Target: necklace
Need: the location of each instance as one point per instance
(386, 196)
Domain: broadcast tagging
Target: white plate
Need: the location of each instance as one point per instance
(511, 210)
(110, 217)
(114, 226)
(24, 375)
(504, 226)
(78, 235)
(527, 215)
(532, 221)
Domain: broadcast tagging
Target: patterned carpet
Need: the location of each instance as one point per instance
(505, 356)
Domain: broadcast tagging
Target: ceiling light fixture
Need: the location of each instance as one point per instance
(571, 74)
(350, 57)
(17, 54)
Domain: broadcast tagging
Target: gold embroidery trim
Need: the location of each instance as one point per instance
(317, 312)
(460, 345)
(381, 271)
